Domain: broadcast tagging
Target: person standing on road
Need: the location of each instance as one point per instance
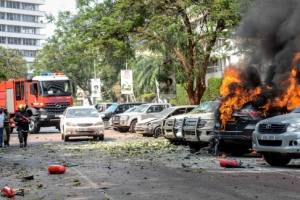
(6, 127)
(1, 126)
(22, 118)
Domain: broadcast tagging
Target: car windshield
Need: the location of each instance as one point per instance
(112, 108)
(130, 110)
(141, 108)
(164, 112)
(82, 113)
(205, 107)
(296, 110)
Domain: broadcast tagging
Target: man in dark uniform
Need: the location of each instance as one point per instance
(23, 121)
(6, 127)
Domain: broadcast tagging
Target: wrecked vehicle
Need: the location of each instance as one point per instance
(127, 121)
(237, 134)
(173, 129)
(151, 126)
(278, 138)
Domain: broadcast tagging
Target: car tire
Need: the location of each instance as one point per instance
(132, 126)
(115, 129)
(158, 132)
(34, 127)
(66, 138)
(276, 159)
(123, 130)
(101, 137)
(106, 123)
(194, 147)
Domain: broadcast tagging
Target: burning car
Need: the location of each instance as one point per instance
(151, 126)
(236, 134)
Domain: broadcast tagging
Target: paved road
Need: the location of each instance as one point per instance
(182, 176)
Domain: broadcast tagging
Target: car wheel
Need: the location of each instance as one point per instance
(194, 147)
(123, 130)
(132, 126)
(101, 137)
(95, 138)
(66, 138)
(276, 159)
(62, 136)
(157, 132)
(34, 127)
(106, 124)
(115, 129)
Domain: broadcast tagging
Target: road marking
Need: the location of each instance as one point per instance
(94, 185)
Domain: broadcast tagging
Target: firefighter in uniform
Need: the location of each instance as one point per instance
(23, 121)
(6, 127)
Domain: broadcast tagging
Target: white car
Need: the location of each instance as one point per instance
(81, 121)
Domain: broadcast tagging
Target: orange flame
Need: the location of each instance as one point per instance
(234, 95)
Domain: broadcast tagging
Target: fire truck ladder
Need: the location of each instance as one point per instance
(132, 97)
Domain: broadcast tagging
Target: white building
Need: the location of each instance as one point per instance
(20, 25)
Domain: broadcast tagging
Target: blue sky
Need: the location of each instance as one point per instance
(54, 6)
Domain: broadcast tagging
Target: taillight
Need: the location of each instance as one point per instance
(254, 114)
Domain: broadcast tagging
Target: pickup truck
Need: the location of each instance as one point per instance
(278, 138)
(194, 127)
(127, 121)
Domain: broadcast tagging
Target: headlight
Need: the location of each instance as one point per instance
(256, 127)
(124, 117)
(43, 116)
(293, 128)
(70, 124)
(98, 123)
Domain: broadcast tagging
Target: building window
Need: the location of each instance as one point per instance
(2, 15)
(29, 42)
(2, 40)
(28, 18)
(1, 3)
(30, 53)
(15, 29)
(28, 6)
(29, 30)
(11, 40)
(15, 17)
(2, 28)
(11, 4)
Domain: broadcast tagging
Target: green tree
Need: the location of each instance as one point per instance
(189, 29)
(12, 64)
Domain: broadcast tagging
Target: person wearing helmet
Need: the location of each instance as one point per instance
(1, 126)
(23, 121)
(6, 127)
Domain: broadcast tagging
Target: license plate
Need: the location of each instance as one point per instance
(83, 129)
(266, 137)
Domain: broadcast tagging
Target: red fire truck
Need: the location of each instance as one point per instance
(46, 97)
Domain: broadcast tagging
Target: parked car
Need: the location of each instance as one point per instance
(127, 121)
(278, 138)
(114, 109)
(151, 126)
(101, 107)
(81, 121)
(127, 111)
(173, 130)
(197, 128)
(237, 135)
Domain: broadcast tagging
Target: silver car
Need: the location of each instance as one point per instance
(81, 121)
(278, 138)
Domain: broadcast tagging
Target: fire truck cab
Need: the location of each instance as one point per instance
(46, 97)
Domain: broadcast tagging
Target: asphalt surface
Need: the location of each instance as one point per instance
(180, 175)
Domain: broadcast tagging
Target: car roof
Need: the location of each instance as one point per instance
(76, 107)
(157, 104)
(138, 103)
(185, 106)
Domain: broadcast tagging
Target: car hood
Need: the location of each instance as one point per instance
(287, 118)
(147, 120)
(202, 115)
(82, 120)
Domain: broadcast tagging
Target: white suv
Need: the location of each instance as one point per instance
(127, 121)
